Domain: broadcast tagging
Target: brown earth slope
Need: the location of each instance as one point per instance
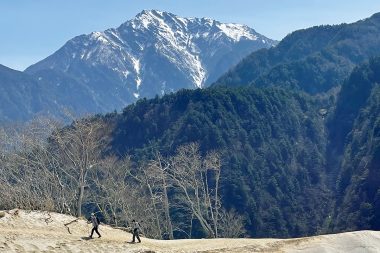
(33, 231)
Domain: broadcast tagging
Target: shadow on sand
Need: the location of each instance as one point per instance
(133, 242)
(86, 238)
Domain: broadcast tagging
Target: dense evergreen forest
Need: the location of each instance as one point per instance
(273, 143)
(294, 164)
(355, 137)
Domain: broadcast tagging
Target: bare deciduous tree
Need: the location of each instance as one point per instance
(47, 167)
(109, 181)
(80, 146)
(231, 224)
(192, 176)
(28, 167)
(157, 183)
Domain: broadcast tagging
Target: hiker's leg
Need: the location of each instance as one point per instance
(96, 230)
(137, 235)
(134, 235)
(92, 231)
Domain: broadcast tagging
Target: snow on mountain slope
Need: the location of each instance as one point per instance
(153, 53)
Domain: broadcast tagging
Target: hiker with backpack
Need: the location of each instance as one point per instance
(136, 230)
(95, 224)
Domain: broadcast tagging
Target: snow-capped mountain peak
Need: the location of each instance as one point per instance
(166, 20)
(155, 52)
(237, 32)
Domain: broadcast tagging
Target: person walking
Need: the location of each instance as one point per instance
(95, 225)
(136, 230)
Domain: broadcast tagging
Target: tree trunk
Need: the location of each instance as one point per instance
(154, 207)
(80, 200)
(216, 203)
(167, 210)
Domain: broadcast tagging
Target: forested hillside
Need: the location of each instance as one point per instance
(286, 164)
(291, 162)
(314, 59)
(356, 138)
(273, 144)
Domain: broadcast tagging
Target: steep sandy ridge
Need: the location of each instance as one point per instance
(33, 231)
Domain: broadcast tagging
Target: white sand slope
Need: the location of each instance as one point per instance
(26, 231)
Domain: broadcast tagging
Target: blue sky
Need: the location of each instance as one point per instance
(33, 29)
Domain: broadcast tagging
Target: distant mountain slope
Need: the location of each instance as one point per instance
(23, 96)
(355, 135)
(152, 54)
(314, 60)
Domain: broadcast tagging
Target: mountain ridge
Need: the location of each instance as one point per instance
(315, 60)
(133, 60)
